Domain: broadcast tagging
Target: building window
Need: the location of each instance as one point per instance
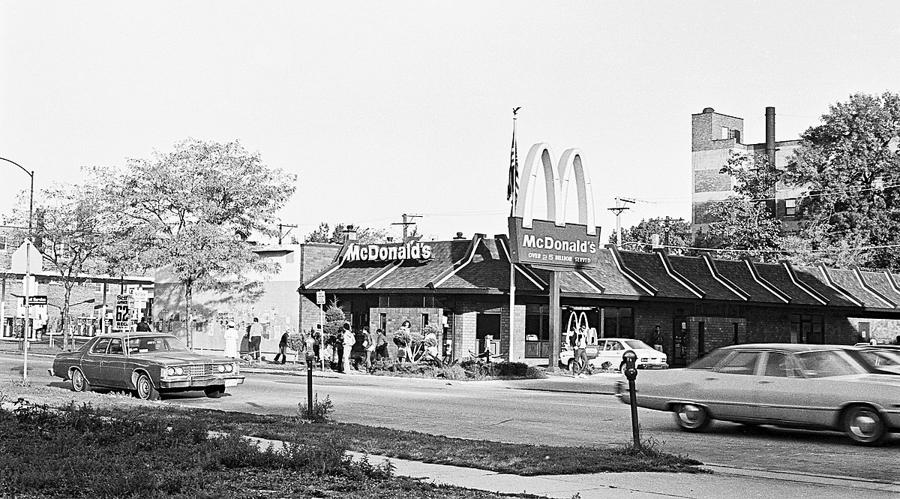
(424, 321)
(726, 133)
(618, 322)
(289, 258)
(537, 323)
(808, 328)
(487, 325)
(790, 207)
(382, 322)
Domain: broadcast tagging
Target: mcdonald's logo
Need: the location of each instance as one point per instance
(553, 241)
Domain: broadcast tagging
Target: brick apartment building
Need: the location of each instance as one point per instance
(715, 136)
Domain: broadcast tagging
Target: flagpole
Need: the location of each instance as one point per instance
(514, 163)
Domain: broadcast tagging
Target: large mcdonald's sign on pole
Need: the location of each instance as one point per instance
(553, 242)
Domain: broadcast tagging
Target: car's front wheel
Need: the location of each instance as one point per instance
(864, 425)
(79, 382)
(145, 389)
(690, 417)
(214, 392)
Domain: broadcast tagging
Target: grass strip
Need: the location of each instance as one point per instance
(519, 459)
(73, 452)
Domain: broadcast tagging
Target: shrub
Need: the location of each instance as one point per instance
(455, 372)
(320, 410)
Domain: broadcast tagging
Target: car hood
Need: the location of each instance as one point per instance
(174, 358)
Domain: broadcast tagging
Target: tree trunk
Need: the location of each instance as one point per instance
(64, 320)
(189, 333)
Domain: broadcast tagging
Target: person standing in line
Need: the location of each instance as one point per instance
(348, 340)
(143, 326)
(581, 351)
(282, 347)
(256, 331)
(381, 349)
(369, 345)
(231, 341)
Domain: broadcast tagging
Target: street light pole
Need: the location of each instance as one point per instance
(27, 282)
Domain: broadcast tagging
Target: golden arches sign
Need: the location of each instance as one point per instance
(553, 241)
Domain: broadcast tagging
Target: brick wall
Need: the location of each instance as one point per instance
(512, 346)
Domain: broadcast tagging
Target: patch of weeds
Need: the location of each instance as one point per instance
(320, 411)
(454, 372)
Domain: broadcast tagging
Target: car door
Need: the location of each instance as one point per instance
(606, 353)
(90, 362)
(731, 389)
(112, 365)
(780, 389)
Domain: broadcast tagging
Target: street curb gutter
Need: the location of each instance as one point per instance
(802, 477)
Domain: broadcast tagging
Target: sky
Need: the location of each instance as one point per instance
(385, 108)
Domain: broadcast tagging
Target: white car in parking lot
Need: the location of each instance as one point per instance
(609, 352)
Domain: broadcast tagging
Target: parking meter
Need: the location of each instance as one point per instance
(310, 360)
(630, 360)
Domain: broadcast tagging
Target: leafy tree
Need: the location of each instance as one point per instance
(75, 227)
(325, 234)
(746, 221)
(676, 230)
(193, 209)
(851, 167)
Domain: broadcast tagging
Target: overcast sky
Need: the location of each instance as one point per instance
(384, 108)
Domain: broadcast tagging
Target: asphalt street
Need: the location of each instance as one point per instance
(516, 412)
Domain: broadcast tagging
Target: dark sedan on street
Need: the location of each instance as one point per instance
(145, 363)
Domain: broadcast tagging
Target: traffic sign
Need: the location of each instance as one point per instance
(320, 297)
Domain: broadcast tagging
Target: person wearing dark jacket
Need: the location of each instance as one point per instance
(282, 348)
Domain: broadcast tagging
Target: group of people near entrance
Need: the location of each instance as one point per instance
(342, 351)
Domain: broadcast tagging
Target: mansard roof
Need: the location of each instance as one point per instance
(481, 265)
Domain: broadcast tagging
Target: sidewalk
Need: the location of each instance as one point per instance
(721, 481)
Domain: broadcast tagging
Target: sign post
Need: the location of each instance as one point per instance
(320, 301)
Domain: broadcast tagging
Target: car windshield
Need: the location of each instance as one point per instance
(711, 359)
(148, 344)
(826, 363)
(638, 345)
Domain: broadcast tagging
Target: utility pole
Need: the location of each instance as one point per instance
(407, 221)
(281, 234)
(618, 209)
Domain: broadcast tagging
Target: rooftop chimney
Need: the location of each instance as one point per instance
(459, 235)
(350, 233)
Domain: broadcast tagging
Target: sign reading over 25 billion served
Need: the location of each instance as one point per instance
(545, 243)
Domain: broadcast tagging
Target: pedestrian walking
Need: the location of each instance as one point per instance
(256, 331)
(581, 351)
(282, 347)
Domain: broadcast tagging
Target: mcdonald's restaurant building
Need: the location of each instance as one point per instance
(689, 305)
(515, 295)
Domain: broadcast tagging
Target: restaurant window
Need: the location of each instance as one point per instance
(618, 322)
(537, 323)
(726, 133)
(487, 324)
(382, 322)
(424, 321)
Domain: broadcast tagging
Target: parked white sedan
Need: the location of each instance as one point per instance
(829, 387)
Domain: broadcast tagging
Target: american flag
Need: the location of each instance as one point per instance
(512, 190)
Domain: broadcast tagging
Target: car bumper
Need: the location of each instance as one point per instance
(652, 365)
(200, 382)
